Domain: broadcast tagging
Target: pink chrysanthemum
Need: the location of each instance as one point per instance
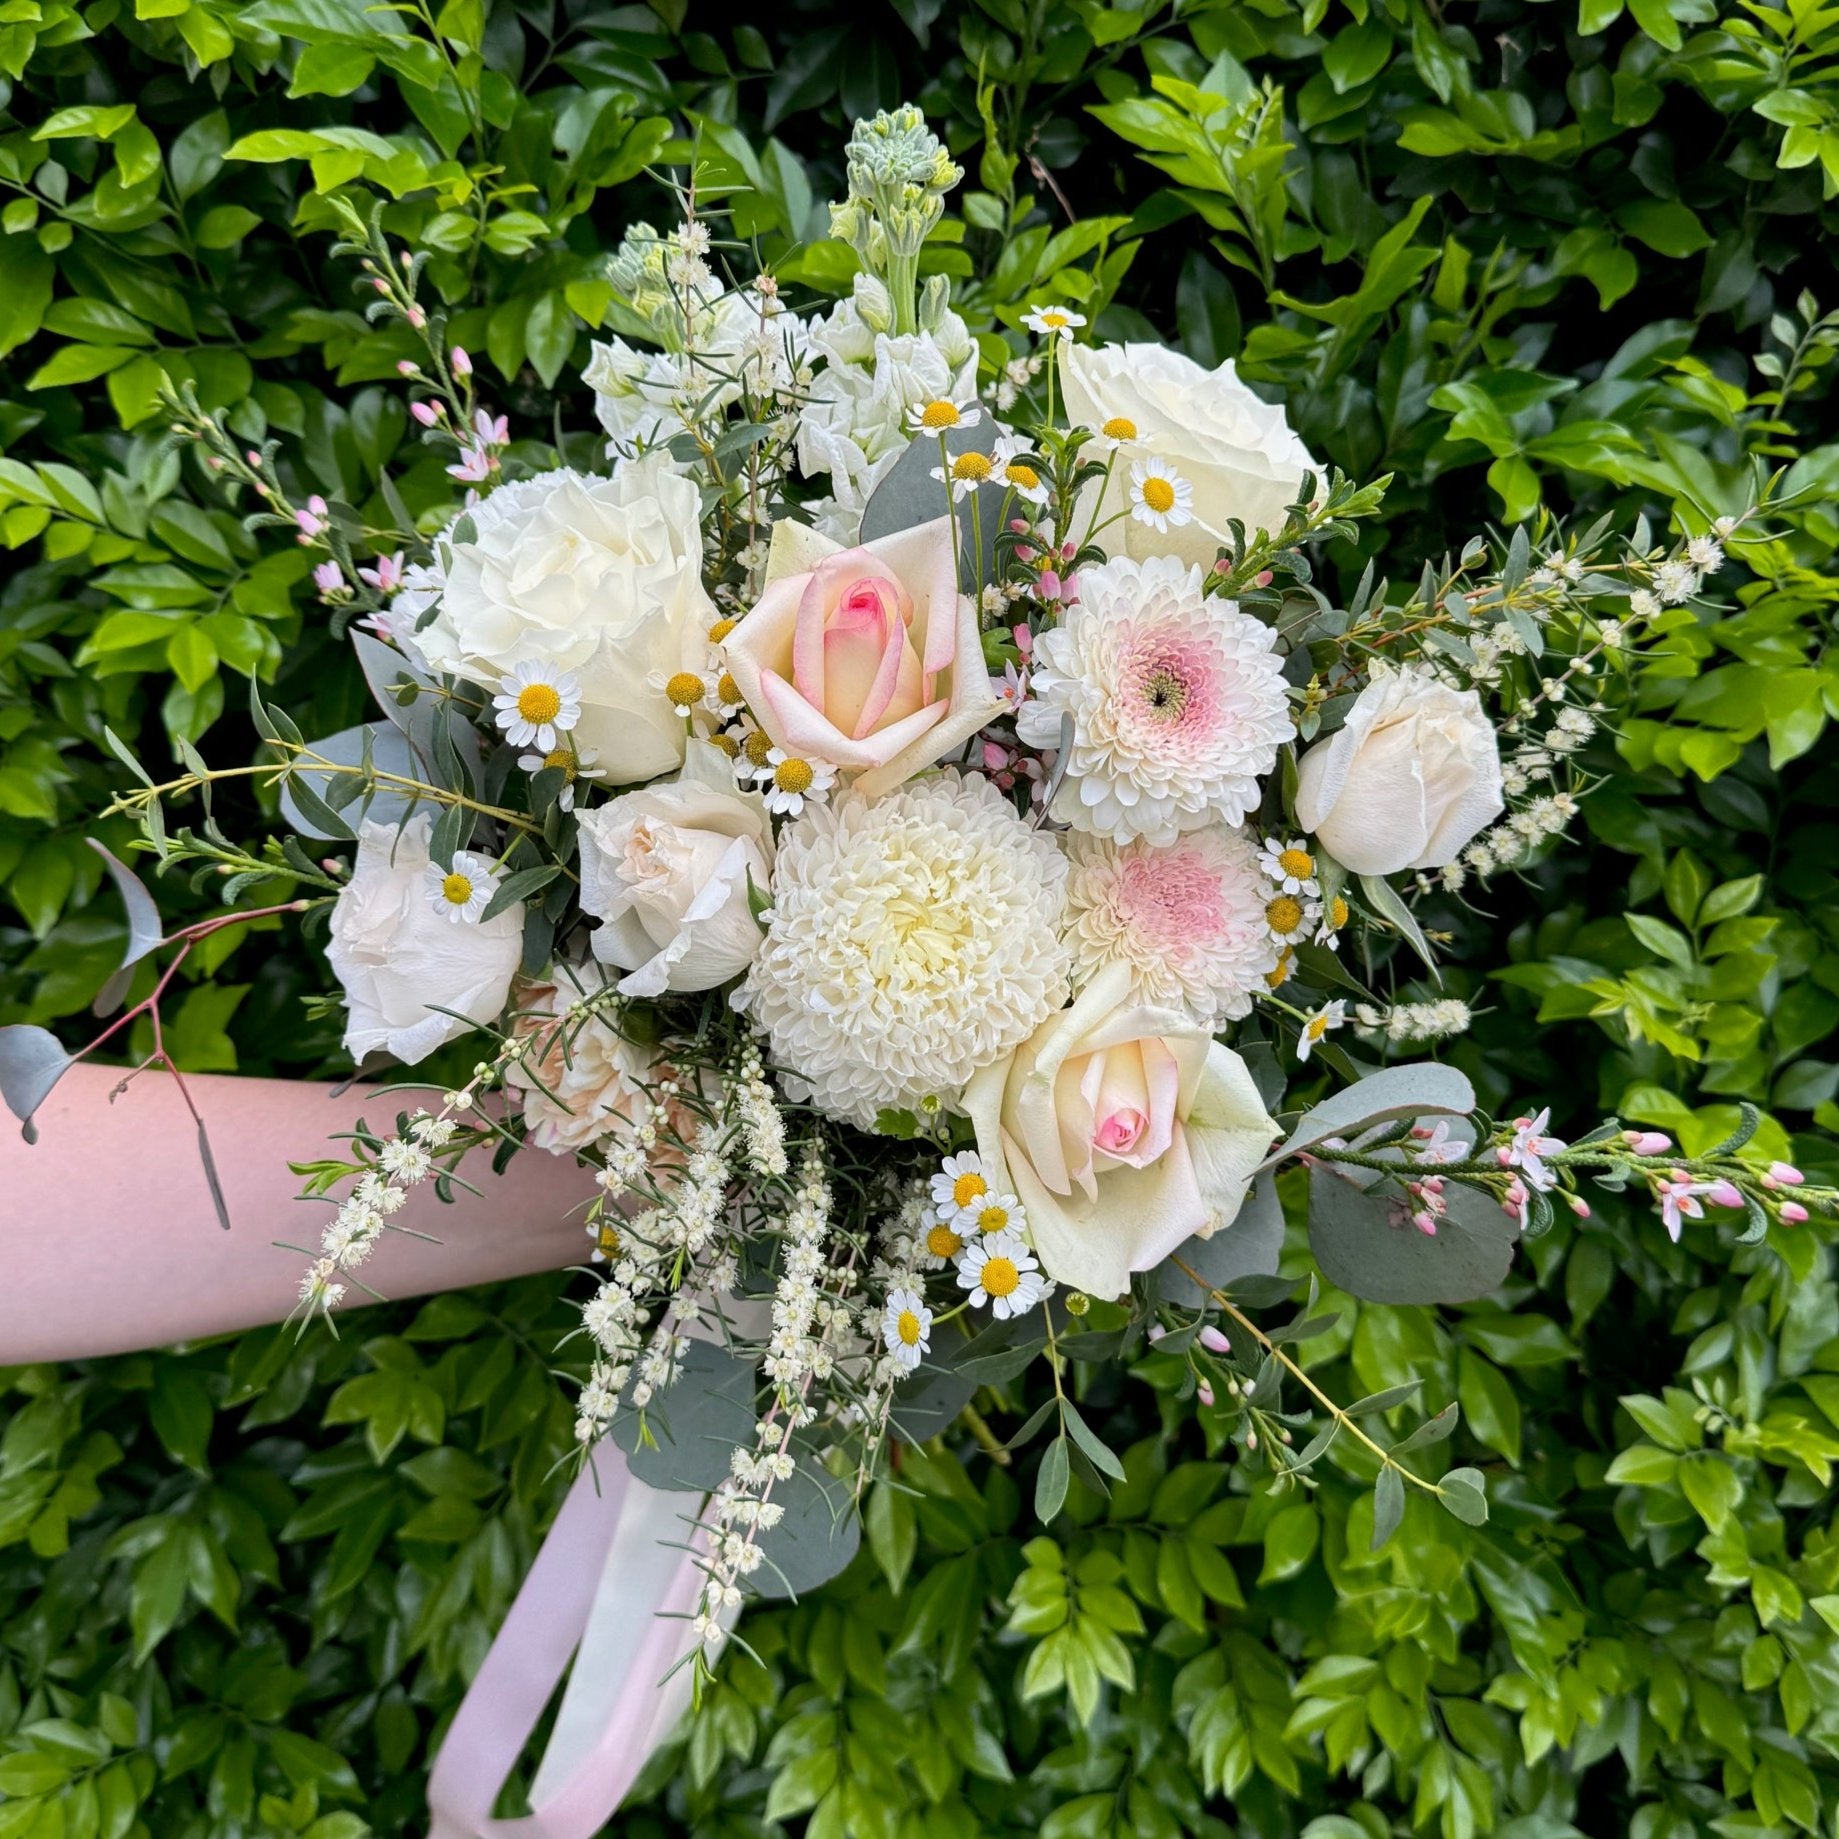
(1177, 701)
(1187, 918)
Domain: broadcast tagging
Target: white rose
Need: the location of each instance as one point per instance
(601, 577)
(665, 870)
(582, 1080)
(852, 424)
(396, 956)
(1123, 1129)
(1411, 777)
(1235, 449)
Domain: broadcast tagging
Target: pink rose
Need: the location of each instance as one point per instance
(852, 655)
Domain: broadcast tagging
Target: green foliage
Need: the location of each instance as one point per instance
(1519, 256)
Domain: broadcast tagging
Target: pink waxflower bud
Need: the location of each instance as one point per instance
(1157, 1331)
(1263, 578)
(1792, 1213)
(1787, 1173)
(327, 579)
(1018, 525)
(1426, 1223)
(1205, 1392)
(417, 318)
(425, 413)
(1722, 1193)
(1504, 1156)
(407, 367)
(254, 458)
(1068, 550)
(995, 757)
(1213, 1341)
(461, 362)
(1647, 1142)
(382, 286)
(1578, 1205)
(1049, 585)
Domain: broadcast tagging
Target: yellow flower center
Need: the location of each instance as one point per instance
(757, 746)
(1052, 321)
(938, 416)
(721, 629)
(1000, 1277)
(727, 690)
(457, 888)
(1337, 913)
(992, 1219)
(1281, 974)
(727, 744)
(793, 776)
(942, 1242)
(563, 758)
(538, 702)
(907, 1326)
(1297, 862)
(685, 690)
(967, 1187)
(1159, 495)
(1119, 428)
(1024, 476)
(974, 466)
(608, 1243)
(1285, 913)
(1316, 1027)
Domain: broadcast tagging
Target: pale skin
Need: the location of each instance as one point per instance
(109, 1241)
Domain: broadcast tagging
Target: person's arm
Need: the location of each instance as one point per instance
(109, 1241)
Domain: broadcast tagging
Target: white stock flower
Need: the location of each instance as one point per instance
(912, 941)
(1177, 699)
(852, 423)
(600, 578)
(1413, 775)
(1188, 919)
(395, 956)
(666, 870)
(1235, 450)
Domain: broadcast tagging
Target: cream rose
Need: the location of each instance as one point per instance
(396, 956)
(580, 1079)
(868, 658)
(1412, 776)
(1235, 449)
(1123, 1130)
(601, 577)
(666, 870)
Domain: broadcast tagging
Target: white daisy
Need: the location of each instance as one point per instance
(960, 1183)
(465, 890)
(941, 415)
(1334, 917)
(939, 1245)
(1001, 1273)
(966, 473)
(537, 705)
(575, 764)
(1330, 1016)
(791, 783)
(1012, 468)
(1118, 431)
(991, 1215)
(1291, 866)
(906, 1327)
(1052, 322)
(1290, 916)
(1159, 496)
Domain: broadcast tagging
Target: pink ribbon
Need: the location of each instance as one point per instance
(609, 1585)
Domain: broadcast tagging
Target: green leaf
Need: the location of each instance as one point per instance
(1463, 1493)
(1388, 1505)
(1051, 1481)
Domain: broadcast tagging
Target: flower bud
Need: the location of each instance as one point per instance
(1205, 1393)
(1792, 1213)
(1647, 1142)
(1213, 1341)
(1724, 1193)
(461, 362)
(1786, 1172)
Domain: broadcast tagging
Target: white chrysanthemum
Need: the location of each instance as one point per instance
(906, 1327)
(913, 940)
(1177, 699)
(1188, 918)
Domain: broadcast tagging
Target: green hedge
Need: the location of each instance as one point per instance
(1514, 254)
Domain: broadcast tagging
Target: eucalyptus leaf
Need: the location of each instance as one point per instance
(1389, 904)
(144, 928)
(909, 496)
(1363, 1246)
(32, 1061)
(1422, 1088)
(387, 749)
(1249, 1247)
(819, 1534)
(696, 1424)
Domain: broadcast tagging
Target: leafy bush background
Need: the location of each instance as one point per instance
(1516, 254)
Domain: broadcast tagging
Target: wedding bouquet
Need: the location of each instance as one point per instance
(908, 819)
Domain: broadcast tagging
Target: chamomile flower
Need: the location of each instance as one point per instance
(575, 764)
(1118, 431)
(939, 1245)
(966, 472)
(906, 1327)
(1012, 468)
(1159, 496)
(465, 890)
(752, 745)
(1290, 917)
(791, 783)
(1323, 1022)
(1002, 1275)
(993, 1214)
(1291, 866)
(685, 690)
(941, 415)
(536, 706)
(1053, 322)
(1334, 917)
(960, 1184)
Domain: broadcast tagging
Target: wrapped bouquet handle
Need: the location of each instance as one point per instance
(120, 1185)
